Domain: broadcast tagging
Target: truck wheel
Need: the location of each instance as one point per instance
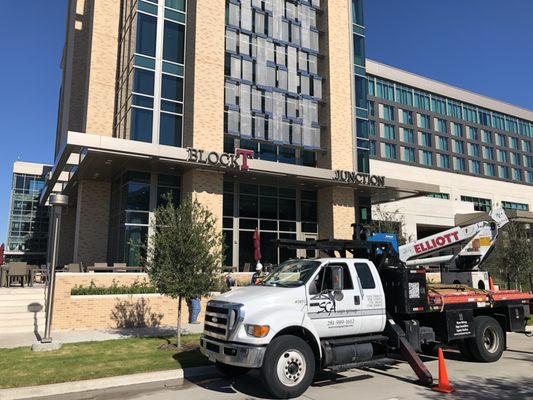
(231, 371)
(489, 342)
(288, 367)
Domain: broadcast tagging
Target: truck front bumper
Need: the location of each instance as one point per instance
(240, 355)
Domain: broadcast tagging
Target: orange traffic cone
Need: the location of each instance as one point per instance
(444, 383)
(491, 283)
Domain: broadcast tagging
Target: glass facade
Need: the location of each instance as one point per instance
(452, 135)
(152, 58)
(131, 207)
(278, 213)
(272, 85)
(362, 107)
(27, 235)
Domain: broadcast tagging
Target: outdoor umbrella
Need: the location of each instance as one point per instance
(257, 245)
(2, 248)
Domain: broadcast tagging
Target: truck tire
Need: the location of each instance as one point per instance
(231, 371)
(489, 342)
(288, 367)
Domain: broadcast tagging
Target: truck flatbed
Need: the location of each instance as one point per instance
(440, 296)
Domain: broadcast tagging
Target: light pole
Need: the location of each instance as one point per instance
(58, 201)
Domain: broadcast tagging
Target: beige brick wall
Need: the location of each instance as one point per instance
(103, 67)
(100, 312)
(336, 112)
(336, 212)
(206, 187)
(204, 75)
(92, 222)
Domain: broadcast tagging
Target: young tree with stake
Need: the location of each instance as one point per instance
(184, 253)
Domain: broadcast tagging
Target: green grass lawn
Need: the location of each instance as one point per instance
(90, 360)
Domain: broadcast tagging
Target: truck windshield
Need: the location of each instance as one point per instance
(291, 273)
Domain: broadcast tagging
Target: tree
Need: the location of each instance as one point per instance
(512, 259)
(184, 252)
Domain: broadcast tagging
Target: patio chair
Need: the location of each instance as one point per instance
(74, 267)
(120, 267)
(18, 271)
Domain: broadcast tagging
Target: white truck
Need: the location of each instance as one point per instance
(339, 312)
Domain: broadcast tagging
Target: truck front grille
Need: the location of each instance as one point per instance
(221, 319)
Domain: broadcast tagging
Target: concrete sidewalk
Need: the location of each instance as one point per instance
(12, 340)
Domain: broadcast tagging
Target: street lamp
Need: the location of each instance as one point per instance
(58, 201)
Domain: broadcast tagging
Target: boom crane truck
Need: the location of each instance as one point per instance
(362, 303)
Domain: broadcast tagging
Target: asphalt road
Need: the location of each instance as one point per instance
(510, 377)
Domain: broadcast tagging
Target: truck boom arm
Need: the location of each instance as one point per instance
(476, 241)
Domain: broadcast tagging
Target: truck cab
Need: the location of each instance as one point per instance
(280, 325)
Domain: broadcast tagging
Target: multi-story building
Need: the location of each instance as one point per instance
(260, 110)
(27, 235)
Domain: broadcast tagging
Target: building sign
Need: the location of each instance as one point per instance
(239, 160)
(360, 178)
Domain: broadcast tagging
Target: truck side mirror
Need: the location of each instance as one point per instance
(337, 276)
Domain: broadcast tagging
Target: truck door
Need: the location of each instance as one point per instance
(372, 307)
(332, 301)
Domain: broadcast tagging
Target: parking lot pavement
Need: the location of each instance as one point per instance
(510, 377)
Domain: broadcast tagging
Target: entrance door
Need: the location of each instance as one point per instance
(334, 312)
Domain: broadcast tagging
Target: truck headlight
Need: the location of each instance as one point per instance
(257, 330)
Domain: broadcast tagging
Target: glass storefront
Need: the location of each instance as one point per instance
(130, 212)
(278, 213)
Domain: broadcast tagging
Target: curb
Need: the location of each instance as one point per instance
(57, 389)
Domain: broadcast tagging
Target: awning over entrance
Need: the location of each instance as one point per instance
(525, 217)
(86, 156)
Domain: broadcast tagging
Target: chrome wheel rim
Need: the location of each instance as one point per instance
(491, 340)
(291, 367)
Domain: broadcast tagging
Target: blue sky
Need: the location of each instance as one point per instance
(482, 45)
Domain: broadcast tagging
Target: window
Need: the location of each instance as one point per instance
(513, 142)
(365, 276)
(444, 196)
(529, 177)
(487, 137)
(373, 150)
(490, 170)
(440, 125)
(141, 125)
(438, 105)
(388, 112)
(361, 128)
(488, 153)
(498, 121)
(427, 158)
(409, 154)
(390, 151)
(479, 203)
(454, 109)
(361, 88)
(324, 279)
(470, 113)
(143, 81)
(444, 161)
(146, 34)
(426, 139)
(422, 100)
(517, 174)
(442, 143)
(384, 89)
(357, 12)
(473, 150)
(359, 49)
(508, 205)
(526, 146)
(408, 136)
(459, 164)
(500, 140)
(404, 95)
(371, 108)
(515, 158)
(388, 132)
(458, 146)
(502, 156)
(484, 117)
(407, 117)
(457, 129)
(423, 121)
(372, 128)
(173, 42)
(472, 133)
(475, 167)
(503, 172)
(170, 129)
(172, 87)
